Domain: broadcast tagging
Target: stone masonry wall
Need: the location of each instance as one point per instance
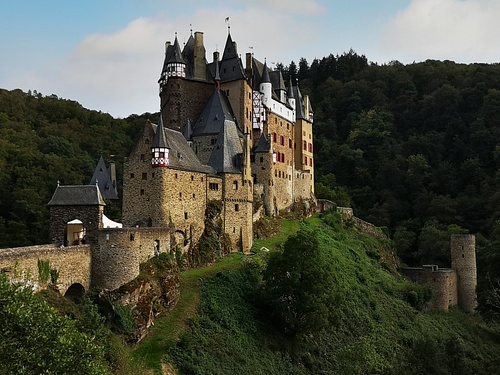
(237, 212)
(183, 100)
(90, 216)
(120, 252)
(463, 261)
(73, 263)
(442, 282)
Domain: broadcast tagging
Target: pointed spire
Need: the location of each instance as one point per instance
(188, 131)
(160, 140)
(265, 74)
(159, 148)
(289, 92)
(176, 56)
(217, 72)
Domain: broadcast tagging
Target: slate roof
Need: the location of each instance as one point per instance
(176, 56)
(228, 150)
(181, 156)
(77, 195)
(299, 104)
(216, 111)
(160, 140)
(263, 145)
(102, 177)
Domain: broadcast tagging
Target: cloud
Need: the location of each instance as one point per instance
(118, 72)
(459, 30)
(309, 7)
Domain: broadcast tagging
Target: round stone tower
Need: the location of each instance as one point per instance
(463, 261)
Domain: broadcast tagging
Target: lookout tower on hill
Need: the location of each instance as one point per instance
(463, 261)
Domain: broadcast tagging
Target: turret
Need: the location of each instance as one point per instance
(176, 66)
(463, 261)
(159, 149)
(265, 86)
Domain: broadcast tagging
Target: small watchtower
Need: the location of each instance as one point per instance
(75, 205)
(463, 261)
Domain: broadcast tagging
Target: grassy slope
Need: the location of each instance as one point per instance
(377, 332)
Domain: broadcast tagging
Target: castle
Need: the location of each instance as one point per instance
(227, 132)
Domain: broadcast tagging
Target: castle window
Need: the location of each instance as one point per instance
(202, 179)
(132, 236)
(186, 215)
(235, 185)
(282, 140)
(305, 160)
(153, 175)
(261, 159)
(146, 141)
(234, 229)
(283, 158)
(142, 191)
(132, 175)
(192, 178)
(304, 133)
(274, 137)
(213, 186)
(157, 247)
(213, 140)
(142, 157)
(144, 176)
(180, 195)
(194, 195)
(176, 176)
(236, 207)
(289, 142)
(305, 145)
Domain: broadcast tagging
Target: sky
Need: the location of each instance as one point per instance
(108, 54)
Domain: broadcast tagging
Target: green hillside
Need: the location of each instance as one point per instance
(376, 325)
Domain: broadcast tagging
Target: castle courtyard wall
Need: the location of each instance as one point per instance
(116, 260)
(72, 262)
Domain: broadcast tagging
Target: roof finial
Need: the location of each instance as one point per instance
(191, 28)
(228, 25)
(58, 182)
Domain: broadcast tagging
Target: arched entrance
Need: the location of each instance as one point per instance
(75, 233)
(75, 292)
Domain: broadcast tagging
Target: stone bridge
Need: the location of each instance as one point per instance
(72, 262)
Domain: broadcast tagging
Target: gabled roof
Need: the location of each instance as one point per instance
(300, 105)
(103, 178)
(180, 155)
(264, 145)
(77, 195)
(227, 153)
(216, 111)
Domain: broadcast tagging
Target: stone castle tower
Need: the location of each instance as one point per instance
(451, 286)
(463, 261)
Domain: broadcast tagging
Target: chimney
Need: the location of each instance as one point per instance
(199, 69)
